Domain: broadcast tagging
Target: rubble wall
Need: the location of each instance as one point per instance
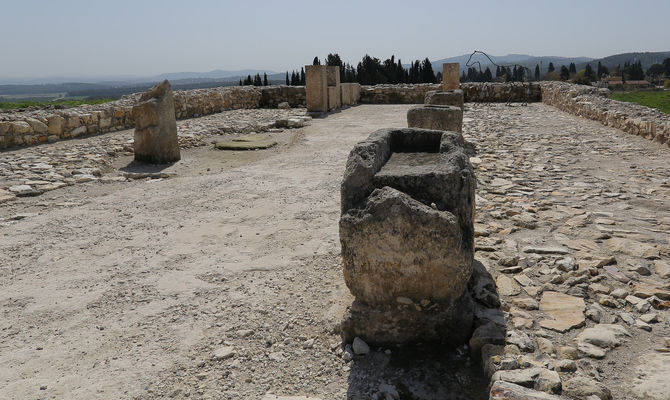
(484, 92)
(594, 103)
(49, 124)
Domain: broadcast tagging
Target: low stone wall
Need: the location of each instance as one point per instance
(515, 92)
(39, 126)
(594, 103)
(49, 125)
(396, 94)
(473, 92)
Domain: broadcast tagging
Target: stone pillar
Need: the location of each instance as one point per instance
(334, 95)
(316, 87)
(156, 139)
(450, 77)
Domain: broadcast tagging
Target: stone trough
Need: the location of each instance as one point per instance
(407, 237)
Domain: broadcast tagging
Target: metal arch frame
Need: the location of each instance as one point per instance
(471, 63)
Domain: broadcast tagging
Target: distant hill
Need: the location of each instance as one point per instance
(525, 60)
(647, 59)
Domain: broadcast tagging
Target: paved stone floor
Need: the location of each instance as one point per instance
(228, 284)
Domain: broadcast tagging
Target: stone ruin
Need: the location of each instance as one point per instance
(407, 237)
(442, 110)
(325, 92)
(155, 137)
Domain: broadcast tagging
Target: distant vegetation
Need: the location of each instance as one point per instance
(373, 71)
(653, 99)
(57, 103)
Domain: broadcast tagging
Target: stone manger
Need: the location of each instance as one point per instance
(407, 237)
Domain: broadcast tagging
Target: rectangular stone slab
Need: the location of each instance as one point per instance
(564, 311)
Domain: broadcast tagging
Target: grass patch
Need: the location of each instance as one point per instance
(656, 99)
(62, 103)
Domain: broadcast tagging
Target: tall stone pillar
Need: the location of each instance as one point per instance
(316, 87)
(450, 77)
(334, 95)
(155, 139)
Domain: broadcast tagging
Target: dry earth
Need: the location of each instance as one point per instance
(224, 281)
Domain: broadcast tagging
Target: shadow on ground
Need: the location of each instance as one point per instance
(431, 371)
(138, 167)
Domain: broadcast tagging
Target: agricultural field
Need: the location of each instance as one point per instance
(656, 99)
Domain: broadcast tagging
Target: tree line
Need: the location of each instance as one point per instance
(255, 81)
(372, 71)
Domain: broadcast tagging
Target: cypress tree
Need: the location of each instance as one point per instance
(302, 76)
(240, 82)
(565, 73)
(537, 72)
(498, 73)
(316, 61)
(573, 68)
(588, 72)
(488, 76)
(551, 67)
(287, 81)
(265, 79)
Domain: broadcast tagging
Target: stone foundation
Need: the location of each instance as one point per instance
(594, 103)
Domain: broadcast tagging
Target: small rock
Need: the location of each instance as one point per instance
(224, 353)
(568, 352)
(308, 344)
(548, 381)
(581, 388)
(360, 347)
(522, 340)
(545, 346)
(607, 301)
(619, 293)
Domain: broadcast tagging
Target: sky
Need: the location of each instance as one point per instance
(93, 38)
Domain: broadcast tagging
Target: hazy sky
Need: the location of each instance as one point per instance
(40, 38)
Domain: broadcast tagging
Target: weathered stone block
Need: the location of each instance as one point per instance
(444, 118)
(55, 124)
(450, 77)
(399, 247)
(350, 93)
(155, 126)
(316, 86)
(334, 98)
(450, 98)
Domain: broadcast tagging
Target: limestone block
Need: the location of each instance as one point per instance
(333, 98)
(5, 126)
(73, 121)
(20, 128)
(450, 98)
(55, 124)
(397, 246)
(450, 77)
(316, 86)
(444, 118)
(155, 126)
(38, 126)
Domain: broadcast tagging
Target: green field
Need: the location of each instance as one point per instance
(656, 99)
(62, 103)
